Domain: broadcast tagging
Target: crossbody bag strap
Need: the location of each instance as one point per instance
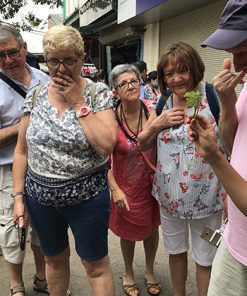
(144, 156)
(36, 94)
(93, 90)
(92, 93)
(12, 84)
(123, 127)
(148, 162)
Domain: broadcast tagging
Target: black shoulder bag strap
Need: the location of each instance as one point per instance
(213, 101)
(13, 85)
(211, 95)
(161, 102)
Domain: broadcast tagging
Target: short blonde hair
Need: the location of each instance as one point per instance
(63, 38)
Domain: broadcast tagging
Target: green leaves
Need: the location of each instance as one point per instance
(193, 98)
(29, 21)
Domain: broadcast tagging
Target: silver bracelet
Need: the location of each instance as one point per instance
(21, 193)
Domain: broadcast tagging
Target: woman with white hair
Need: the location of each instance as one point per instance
(135, 213)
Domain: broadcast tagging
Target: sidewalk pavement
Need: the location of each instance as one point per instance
(78, 282)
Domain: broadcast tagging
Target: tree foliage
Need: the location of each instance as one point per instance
(9, 8)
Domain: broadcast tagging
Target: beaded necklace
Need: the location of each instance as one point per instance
(123, 124)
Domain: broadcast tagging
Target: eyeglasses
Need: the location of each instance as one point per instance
(67, 62)
(125, 85)
(12, 54)
(179, 71)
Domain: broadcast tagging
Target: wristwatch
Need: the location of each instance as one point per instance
(83, 111)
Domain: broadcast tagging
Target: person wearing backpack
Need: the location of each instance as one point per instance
(186, 187)
(61, 163)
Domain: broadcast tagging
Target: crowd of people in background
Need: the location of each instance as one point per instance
(128, 156)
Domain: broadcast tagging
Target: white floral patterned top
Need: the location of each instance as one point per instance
(58, 147)
(185, 184)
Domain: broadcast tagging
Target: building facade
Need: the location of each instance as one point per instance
(128, 30)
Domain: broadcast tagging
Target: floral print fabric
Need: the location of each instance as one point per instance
(68, 192)
(151, 94)
(58, 147)
(185, 184)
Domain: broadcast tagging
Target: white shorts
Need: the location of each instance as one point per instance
(228, 276)
(176, 236)
(9, 239)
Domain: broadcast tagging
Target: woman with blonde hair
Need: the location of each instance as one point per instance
(61, 163)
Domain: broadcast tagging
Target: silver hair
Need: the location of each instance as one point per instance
(8, 31)
(120, 69)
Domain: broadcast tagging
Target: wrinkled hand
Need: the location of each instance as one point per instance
(226, 81)
(203, 134)
(171, 117)
(67, 87)
(120, 199)
(20, 215)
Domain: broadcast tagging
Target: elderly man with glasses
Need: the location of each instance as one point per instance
(17, 78)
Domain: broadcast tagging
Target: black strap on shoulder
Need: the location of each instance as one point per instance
(160, 105)
(211, 95)
(13, 85)
(161, 102)
(213, 101)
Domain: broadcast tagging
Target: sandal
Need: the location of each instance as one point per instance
(129, 289)
(153, 286)
(40, 286)
(17, 290)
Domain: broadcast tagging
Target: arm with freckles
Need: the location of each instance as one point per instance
(100, 130)
(225, 83)
(203, 134)
(155, 124)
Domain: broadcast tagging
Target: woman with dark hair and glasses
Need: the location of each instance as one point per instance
(135, 213)
(185, 185)
(61, 163)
